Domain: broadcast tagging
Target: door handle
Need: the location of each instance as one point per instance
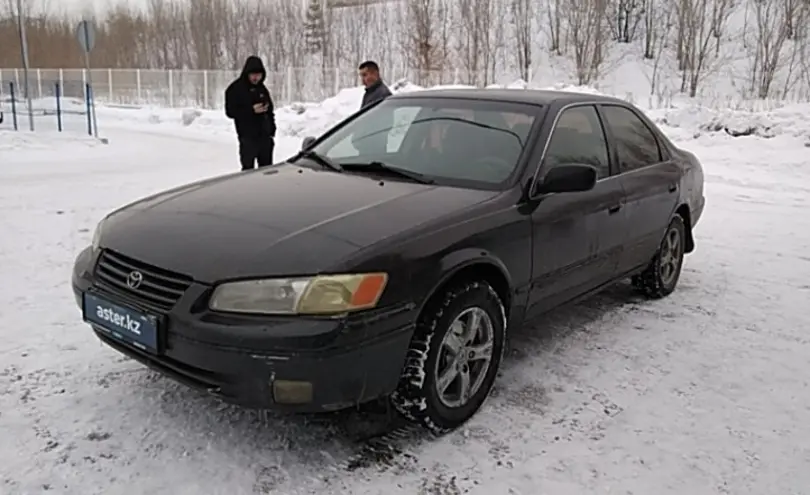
(673, 187)
(614, 209)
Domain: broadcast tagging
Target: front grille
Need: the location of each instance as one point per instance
(158, 288)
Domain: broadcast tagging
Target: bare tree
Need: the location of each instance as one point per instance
(474, 42)
(657, 26)
(803, 42)
(123, 23)
(424, 40)
(497, 14)
(164, 34)
(315, 27)
(794, 15)
(624, 22)
(555, 15)
(772, 31)
(359, 32)
(589, 34)
(482, 39)
(720, 14)
(205, 24)
(656, 39)
(793, 70)
(522, 15)
(699, 22)
(236, 35)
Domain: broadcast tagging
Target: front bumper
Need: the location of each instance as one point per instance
(288, 364)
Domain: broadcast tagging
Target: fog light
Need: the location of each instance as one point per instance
(292, 392)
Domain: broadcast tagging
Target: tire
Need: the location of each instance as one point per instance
(418, 397)
(661, 277)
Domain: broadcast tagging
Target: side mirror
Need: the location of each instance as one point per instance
(571, 177)
(307, 142)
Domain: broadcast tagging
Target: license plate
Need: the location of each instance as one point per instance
(123, 323)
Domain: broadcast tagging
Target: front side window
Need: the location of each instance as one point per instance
(636, 145)
(579, 138)
(469, 142)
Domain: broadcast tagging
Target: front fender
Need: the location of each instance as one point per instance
(453, 263)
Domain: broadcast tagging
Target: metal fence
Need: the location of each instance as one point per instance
(205, 89)
(197, 88)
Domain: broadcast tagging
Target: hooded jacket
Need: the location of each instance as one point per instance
(241, 95)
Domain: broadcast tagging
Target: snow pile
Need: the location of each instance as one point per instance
(189, 115)
(311, 119)
(300, 119)
(45, 106)
(575, 89)
(55, 141)
(790, 120)
(304, 119)
(517, 84)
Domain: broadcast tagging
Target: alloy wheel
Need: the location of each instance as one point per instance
(670, 256)
(464, 357)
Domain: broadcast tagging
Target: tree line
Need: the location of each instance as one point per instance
(480, 39)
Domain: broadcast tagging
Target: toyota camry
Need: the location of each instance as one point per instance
(392, 255)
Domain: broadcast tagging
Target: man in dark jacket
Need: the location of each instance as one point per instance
(376, 90)
(248, 103)
(376, 143)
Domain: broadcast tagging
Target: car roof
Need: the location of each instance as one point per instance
(528, 96)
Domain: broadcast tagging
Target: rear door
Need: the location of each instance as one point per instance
(576, 237)
(650, 179)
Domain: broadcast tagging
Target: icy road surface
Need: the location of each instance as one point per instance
(704, 392)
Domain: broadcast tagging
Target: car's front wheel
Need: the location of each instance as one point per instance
(453, 358)
(661, 276)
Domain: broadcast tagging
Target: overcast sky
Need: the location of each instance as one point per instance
(79, 6)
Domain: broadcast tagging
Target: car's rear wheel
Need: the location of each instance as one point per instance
(453, 358)
(661, 276)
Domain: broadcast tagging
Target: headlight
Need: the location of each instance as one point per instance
(327, 294)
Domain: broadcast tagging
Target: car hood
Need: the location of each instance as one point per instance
(286, 220)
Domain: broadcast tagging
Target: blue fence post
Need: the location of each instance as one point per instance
(13, 105)
(87, 104)
(93, 107)
(58, 107)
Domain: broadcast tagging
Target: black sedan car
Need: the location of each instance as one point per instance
(390, 257)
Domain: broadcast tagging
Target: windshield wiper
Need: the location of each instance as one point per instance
(316, 157)
(383, 167)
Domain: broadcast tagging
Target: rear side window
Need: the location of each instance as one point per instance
(636, 145)
(579, 138)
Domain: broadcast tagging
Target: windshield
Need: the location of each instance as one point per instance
(468, 142)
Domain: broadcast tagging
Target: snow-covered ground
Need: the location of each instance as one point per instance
(705, 392)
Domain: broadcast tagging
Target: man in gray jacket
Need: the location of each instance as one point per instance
(376, 90)
(373, 144)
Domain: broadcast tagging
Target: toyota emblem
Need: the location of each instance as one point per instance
(134, 279)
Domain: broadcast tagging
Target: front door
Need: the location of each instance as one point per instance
(649, 179)
(577, 237)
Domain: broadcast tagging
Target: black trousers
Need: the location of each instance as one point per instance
(252, 151)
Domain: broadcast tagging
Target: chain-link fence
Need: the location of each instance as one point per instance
(205, 89)
(200, 88)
